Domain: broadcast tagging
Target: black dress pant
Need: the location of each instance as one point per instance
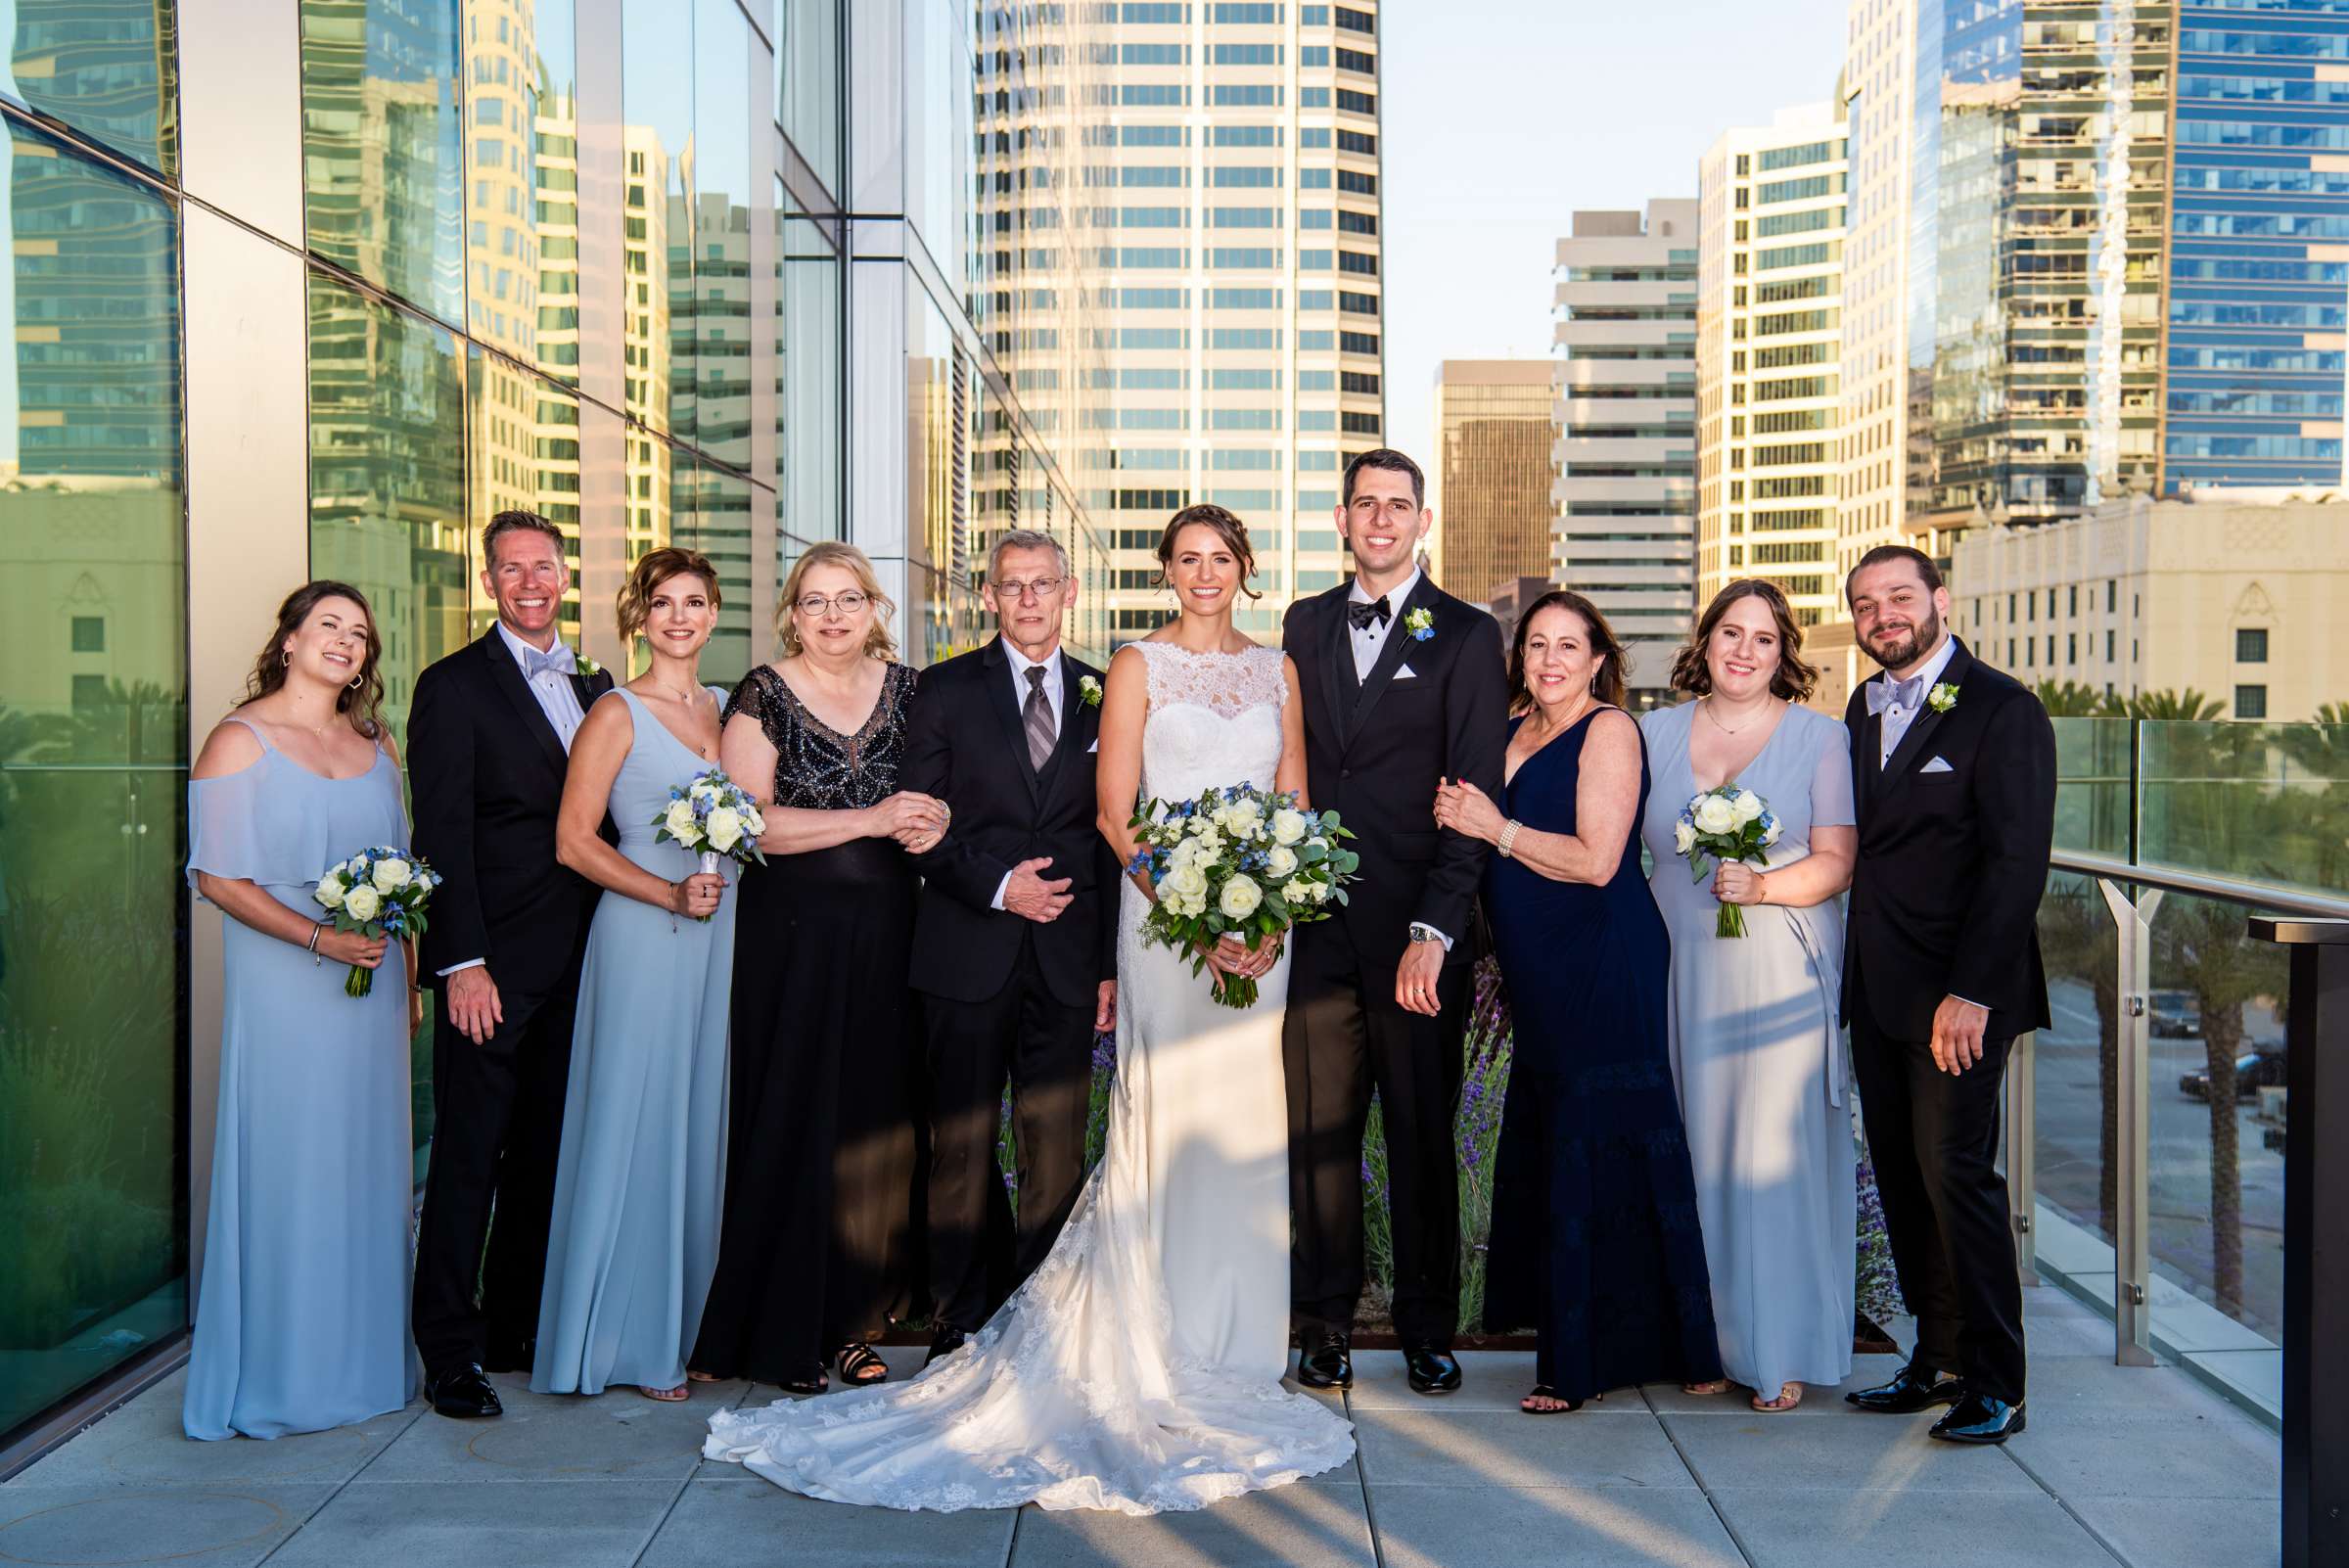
(1345, 1037)
(497, 1134)
(1045, 1048)
(1935, 1140)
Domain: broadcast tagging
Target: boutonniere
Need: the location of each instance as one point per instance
(1420, 624)
(1942, 698)
(1088, 691)
(588, 667)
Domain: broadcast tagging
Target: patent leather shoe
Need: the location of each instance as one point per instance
(463, 1392)
(1912, 1388)
(1979, 1418)
(1432, 1369)
(1325, 1359)
(945, 1342)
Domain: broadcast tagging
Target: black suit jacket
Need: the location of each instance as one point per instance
(1376, 750)
(1952, 861)
(965, 745)
(485, 771)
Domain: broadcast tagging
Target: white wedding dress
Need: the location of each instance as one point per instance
(1138, 1369)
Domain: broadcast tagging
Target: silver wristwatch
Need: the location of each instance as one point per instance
(1426, 933)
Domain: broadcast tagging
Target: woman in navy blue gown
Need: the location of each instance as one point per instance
(1594, 1229)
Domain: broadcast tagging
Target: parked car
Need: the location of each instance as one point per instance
(2260, 1065)
(2174, 1015)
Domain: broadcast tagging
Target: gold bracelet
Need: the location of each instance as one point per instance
(1508, 838)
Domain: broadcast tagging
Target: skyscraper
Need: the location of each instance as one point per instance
(1770, 405)
(1624, 349)
(1489, 473)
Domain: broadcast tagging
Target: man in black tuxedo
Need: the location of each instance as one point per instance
(1403, 687)
(1954, 773)
(1015, 939)
(488, 741)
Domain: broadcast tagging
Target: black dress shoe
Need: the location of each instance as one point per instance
(1325, 1359)
(1432, 1370)
(945, 1342)
(1979, 1418)
(463, 1392)
(1912, 1388)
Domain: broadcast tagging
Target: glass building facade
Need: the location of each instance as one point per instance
(315, 289)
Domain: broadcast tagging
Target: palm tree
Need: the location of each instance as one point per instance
(2072, 699)
(2077, 940)
(2188, 706)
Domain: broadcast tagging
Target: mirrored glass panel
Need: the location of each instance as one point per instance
(101, 66)
(521, 189)
(714, 516)
(523, 449)
(721, 323)
(809, 385)
(810, 63)
(658, 186)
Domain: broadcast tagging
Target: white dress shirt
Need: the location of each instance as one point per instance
(1895, 721)
(1368, 640)
(1020, 665)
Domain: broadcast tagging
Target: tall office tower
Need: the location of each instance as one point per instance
(1769, 360)
(1624, 352)
(1243, 284)
(1489, 473)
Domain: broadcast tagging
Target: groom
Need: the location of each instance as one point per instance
(1402, 687)
(1953, 771)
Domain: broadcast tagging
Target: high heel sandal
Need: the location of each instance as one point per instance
(861, 1367)
(810, 1383)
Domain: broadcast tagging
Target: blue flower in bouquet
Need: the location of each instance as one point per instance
(380, 893)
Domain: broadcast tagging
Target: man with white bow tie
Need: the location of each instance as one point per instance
(1953, 773)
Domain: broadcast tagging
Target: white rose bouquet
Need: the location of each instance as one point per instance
(378, 892)
(1237, 862)
(714, 816)
(1729, 823)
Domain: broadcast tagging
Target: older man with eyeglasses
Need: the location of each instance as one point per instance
(1015, 942)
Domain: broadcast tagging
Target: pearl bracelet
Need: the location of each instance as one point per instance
(1508, 838)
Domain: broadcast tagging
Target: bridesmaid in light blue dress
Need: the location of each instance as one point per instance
(1755, 1050)
(642, 1171)
(301, 1315)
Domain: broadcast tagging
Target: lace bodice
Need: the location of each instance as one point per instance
(816, 767)
(1213, 719)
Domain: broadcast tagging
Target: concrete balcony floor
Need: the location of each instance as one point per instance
(2140, 1467)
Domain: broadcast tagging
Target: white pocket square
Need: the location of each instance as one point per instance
(1094, 747)
(1405, 673)
(1937, 765)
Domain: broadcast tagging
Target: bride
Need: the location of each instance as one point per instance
(1140, 1368)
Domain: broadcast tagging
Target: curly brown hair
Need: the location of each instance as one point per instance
(362, 700)
(1793, 680)
(1607, 685)
(657, 567)
(1227, 527)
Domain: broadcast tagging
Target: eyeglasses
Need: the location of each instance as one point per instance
(817, 604)
(1040, 588)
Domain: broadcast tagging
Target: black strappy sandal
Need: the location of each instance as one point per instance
(1564, 1406)
(861, 1367)
(811, 1383)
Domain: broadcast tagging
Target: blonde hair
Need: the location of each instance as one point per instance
(657, 567)
(878, 643)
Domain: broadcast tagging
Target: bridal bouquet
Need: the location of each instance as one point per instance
(1240, 861)
(1729, 823)
(378, 893)
(714, 816)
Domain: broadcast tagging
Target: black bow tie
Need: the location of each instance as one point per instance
(1360, 616)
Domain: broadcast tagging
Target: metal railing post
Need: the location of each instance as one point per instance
(2022, 1153)
(2131, 1259)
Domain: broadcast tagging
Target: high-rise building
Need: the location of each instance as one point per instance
(1489, 473)
(1624, 351)
(1769, 359)
(1239, 154)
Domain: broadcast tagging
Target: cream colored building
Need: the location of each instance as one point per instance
(2243, 596)
(1489, 473)
(1769, 357)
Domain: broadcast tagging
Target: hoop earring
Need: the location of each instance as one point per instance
(354, 682)
(285, 660)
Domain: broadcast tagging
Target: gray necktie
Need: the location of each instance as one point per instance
(1035, 717)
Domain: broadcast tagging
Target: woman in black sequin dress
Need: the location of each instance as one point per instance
(818, 1248)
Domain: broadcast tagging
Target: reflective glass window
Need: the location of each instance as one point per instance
(100, 67)
(808, 66)
(522, 186)
(656, 176)
(721, 231)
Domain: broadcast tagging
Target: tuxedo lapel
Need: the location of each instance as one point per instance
(1903, 762)
(1338, 681)
(506, 675)
(995, 668)
(1390, 658)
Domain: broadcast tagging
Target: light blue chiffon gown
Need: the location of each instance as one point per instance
(301, 1317)
(1759, 1065)
(642, 1171)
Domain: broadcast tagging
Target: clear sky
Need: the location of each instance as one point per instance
(1501, 117)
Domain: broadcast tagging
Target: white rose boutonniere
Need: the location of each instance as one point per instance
(1420, 624)
(1942, 698)
(588, 667)
(1088, 691)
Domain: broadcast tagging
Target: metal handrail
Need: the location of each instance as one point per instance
(2201, 885)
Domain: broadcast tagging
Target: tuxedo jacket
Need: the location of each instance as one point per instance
(965, 744)
(1954, 833)
(1432, 708)
(485, 771)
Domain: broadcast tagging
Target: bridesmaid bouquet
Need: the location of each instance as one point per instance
(1729, 823)
(1239, 861)
(378, 893)
(714, 816)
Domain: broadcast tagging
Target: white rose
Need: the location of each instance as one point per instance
(1770, 834)
(725, 829)
(1280, 860)
(362, 902)
(1715, 814)
(680, 823)
(704, 790)
(1288, 826)
(1319, 892)
(391, 875)
(1683, 837)
(330, 889)
(1748, 806)
(1210, 844)
(752, 823)
(1245, 818)
(1240, 897)
(1188, 881)
(1298, 892)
